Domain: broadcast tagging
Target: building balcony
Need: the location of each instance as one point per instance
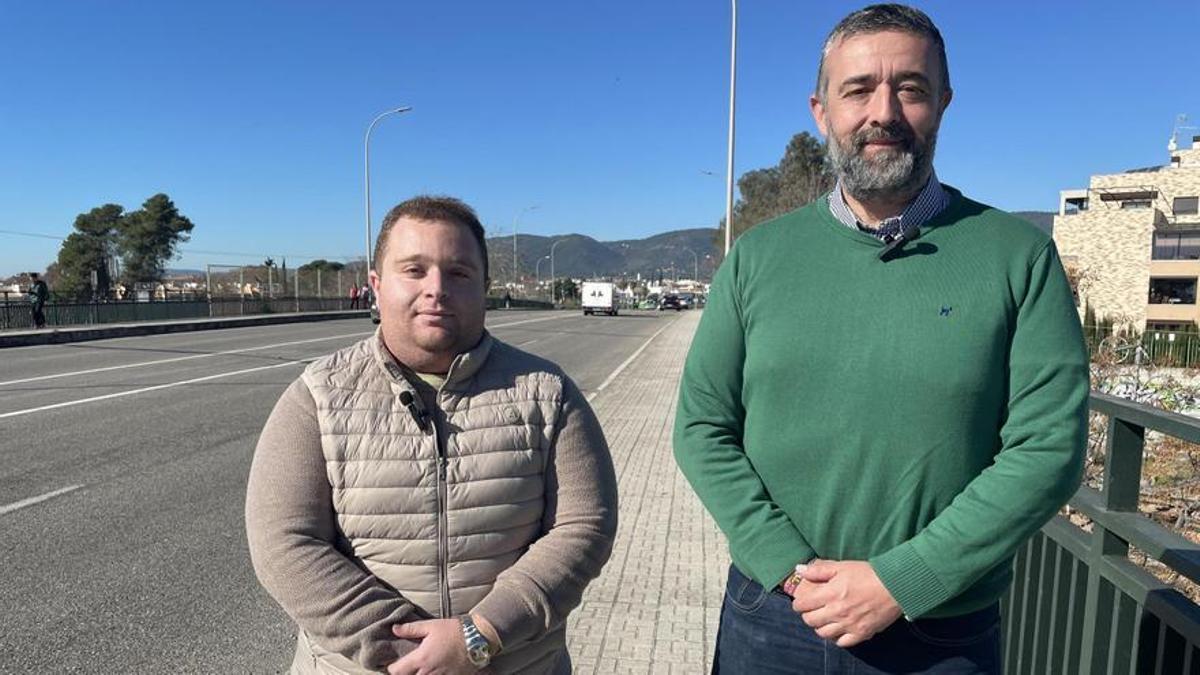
(1172, 313)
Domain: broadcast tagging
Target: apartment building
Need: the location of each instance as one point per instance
(1134, 240)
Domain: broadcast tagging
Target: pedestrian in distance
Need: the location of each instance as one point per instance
(354, 296)
(431, 499)
(887, 393)
(39, 293)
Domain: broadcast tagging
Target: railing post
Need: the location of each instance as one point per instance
(1122, 484)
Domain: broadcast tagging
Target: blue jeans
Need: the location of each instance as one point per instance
(760, 633)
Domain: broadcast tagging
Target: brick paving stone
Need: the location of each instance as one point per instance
(655, 607)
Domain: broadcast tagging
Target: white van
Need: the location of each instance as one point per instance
(599, 296)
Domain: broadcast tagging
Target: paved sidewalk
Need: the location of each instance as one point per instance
(655, 607)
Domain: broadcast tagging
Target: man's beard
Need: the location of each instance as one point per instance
(896, 172)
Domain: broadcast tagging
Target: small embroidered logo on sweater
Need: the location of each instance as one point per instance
(946, 311)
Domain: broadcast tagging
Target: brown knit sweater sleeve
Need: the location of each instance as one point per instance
(291, 530)
(547, 582)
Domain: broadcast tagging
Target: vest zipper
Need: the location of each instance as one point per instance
(443, 526)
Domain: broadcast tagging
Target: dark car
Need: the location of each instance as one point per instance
(374, 311)
(670, 302)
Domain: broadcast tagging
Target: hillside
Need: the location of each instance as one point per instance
(581, 256)
(1043, 219)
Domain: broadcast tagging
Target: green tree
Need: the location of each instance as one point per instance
(566, 289)
(86, 250)
(323, 265)
(148, 237)
(802, 175)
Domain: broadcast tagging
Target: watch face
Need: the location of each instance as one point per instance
(479, 655)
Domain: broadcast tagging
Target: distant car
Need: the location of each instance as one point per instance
(670, 302)
(374, 311)
(649, 303)
(687, 301)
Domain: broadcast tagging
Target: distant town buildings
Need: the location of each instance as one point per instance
(1131, 241)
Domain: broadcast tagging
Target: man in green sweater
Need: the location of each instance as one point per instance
(887, 392)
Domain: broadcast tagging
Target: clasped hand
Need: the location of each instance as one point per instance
(440, 649)
(844, 601)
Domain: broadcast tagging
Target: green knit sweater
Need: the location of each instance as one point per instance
(927, 413)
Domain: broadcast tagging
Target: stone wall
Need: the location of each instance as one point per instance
(1111, 249)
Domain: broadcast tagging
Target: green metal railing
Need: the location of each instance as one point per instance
(1078, 604)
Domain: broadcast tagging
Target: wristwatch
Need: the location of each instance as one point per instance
(479, 651)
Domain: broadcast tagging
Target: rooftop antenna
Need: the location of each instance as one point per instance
(1180, 125)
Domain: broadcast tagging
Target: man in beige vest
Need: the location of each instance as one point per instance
(430, 499)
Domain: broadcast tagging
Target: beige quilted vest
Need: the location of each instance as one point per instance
(438, 514)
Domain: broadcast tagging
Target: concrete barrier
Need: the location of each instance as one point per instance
(48, 336)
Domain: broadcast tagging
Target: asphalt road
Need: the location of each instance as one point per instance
(122, 547)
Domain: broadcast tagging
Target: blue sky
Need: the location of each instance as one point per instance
(251, 115)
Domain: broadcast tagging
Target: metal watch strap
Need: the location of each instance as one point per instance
(479, 650)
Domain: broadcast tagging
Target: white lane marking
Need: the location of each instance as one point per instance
(518, 323)
(626, 362)
(221, 353)
(38, 499)
(157, 387)
(178, 359)
(528, 342)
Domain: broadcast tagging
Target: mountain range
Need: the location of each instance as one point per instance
(581, 256)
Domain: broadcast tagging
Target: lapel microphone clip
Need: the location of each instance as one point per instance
(416, 409)
(909, 233)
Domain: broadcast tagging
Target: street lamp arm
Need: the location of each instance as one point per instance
(553, 288)
(695, 263)
(515, 219)
(367, 169)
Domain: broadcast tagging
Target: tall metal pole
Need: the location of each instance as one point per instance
(367, 170)
(553, 288)
(539, 271)
(729, 163)
(695, 264)
(515, 219)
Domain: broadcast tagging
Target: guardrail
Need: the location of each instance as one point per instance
(1078, 604)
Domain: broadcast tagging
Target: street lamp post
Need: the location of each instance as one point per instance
(367, 170)
(553, 288)
(538, 270)
(515, 219)
(729, 155)
(695, 264)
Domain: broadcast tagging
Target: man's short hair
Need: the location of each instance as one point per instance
(880, 18)
(437, 208)
(34, 275)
